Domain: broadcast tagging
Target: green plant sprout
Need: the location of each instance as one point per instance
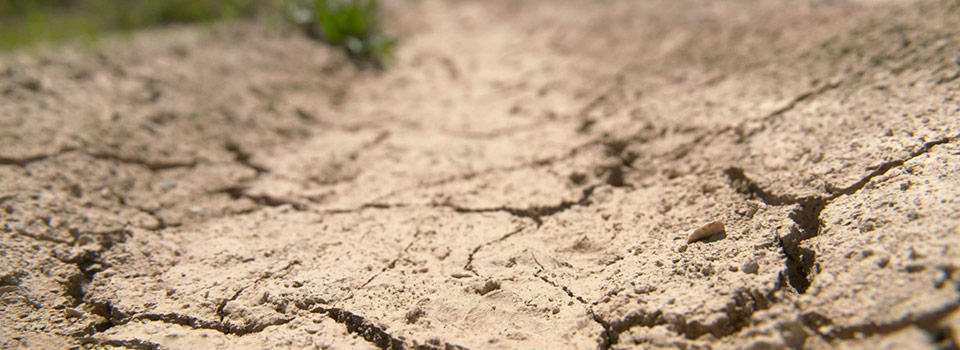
(353, 24)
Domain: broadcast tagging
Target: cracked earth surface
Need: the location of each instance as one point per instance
(525, 177)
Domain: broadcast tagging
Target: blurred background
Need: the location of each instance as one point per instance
(353, 25)
(26, 22)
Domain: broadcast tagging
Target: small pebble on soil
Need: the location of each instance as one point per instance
(751, 267)
(708, 230)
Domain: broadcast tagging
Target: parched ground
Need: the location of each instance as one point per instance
(526, 176)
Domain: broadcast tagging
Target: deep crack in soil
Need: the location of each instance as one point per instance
(801, 262)
(362, 327)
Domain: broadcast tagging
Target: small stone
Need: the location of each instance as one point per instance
(751, 267)
(706, 231)
(487, 287)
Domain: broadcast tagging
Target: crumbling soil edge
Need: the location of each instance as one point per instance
(800, 264)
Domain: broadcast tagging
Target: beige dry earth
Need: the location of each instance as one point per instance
(526, 176)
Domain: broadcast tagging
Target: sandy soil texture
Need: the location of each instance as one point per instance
(526, 176)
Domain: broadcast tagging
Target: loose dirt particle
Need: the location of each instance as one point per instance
(706, 231)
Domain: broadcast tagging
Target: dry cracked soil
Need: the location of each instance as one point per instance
(525, 176)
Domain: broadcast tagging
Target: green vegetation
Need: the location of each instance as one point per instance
(352, 24)
(23, 22)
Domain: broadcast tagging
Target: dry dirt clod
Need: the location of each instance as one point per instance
(708, 230)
